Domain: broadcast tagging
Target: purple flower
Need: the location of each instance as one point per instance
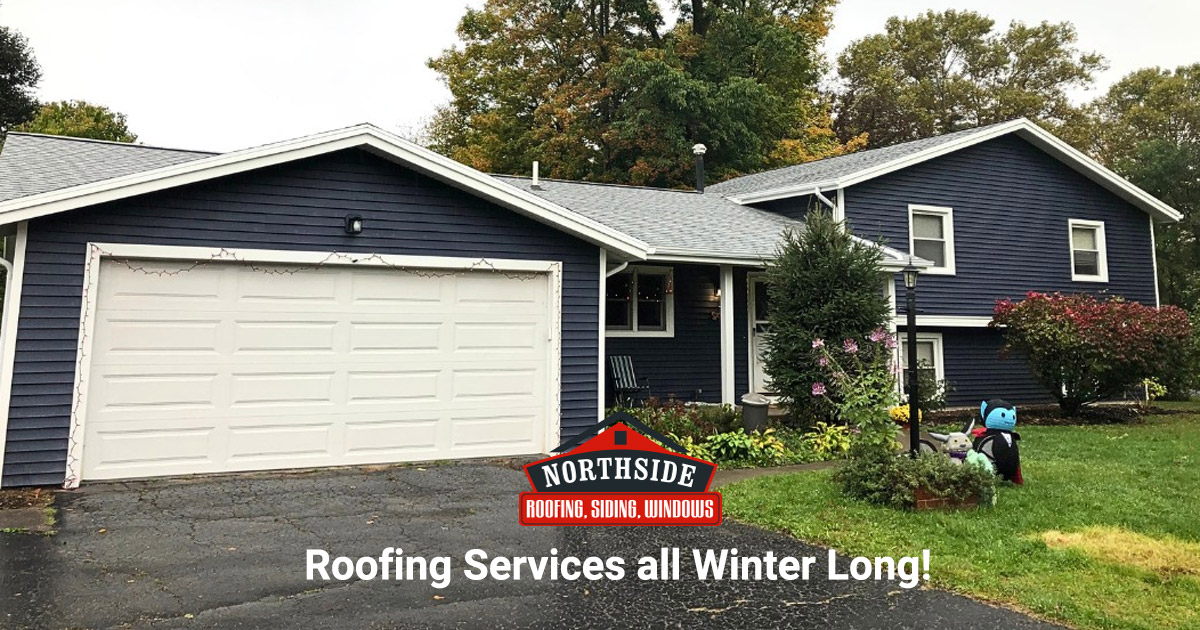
(890, 342)
(850, 345)
(818, 389)
(818, 343)
(823, 361)
(878, 335)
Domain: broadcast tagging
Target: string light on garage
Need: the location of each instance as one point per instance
(226, 256)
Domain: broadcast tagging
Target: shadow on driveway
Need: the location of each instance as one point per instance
(229, 552)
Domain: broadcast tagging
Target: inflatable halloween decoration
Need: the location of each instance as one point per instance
(997, 440)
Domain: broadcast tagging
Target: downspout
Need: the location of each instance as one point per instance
(621, 267)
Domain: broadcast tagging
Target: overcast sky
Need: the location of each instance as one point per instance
(226, 74)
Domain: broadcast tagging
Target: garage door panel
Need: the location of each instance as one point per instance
(234, 369)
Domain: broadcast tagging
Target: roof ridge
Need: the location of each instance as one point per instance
(111, 142)
(588, 183)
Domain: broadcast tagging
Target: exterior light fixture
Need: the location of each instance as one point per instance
(910, 276)
(354, 224)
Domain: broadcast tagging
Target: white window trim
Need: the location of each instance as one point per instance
(669, 307)
(939, 356)
(947, 215)
(1101, 244)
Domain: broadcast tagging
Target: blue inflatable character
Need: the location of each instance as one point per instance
(997, 440)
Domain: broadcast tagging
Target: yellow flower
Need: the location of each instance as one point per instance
(899, 414)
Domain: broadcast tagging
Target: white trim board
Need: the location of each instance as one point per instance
(368, 137)
(946, 321)
(96, 252)
(728, 382)
(1024, 128)
(9, 326)
(601, 334)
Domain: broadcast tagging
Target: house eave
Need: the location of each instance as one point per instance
(1024, 128)
(367, 137)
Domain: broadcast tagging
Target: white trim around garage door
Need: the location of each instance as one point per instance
(99, 251)
(8, 333)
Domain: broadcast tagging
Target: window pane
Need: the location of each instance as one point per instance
(651, 315)
(1084, 238)
(927, 226)
(1087, 263)
(616, 315)
(619, 286)
(925, 354)
(761, 304)
(934, 251)
(651, 286)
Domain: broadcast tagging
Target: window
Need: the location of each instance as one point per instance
(1089, 260)
(929, 357)
(640, 302)
(931, 236)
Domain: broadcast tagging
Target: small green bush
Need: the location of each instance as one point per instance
(673, 417)
(828, 441)
(893, 481)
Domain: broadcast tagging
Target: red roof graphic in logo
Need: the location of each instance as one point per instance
(613, 474)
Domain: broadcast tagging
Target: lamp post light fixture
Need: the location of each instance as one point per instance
(910, 307)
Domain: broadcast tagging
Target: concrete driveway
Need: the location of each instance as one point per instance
(229, 552)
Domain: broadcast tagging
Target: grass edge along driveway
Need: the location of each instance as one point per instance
(1095, 492)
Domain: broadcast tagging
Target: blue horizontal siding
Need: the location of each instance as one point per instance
(979, 371)
(691, 360)
(1011, 204)
(296, 206)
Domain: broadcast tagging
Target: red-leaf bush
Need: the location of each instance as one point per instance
(1083, 349)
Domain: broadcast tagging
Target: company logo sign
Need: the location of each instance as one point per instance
(613, 474)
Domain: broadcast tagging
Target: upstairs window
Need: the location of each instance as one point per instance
(640, 302)
(931, 236)
(1089, 259)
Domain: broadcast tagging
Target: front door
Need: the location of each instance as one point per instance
(760, 329)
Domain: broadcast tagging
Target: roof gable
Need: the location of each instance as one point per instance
(845, 171)
(367, 137)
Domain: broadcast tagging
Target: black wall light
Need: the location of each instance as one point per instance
(354, 224)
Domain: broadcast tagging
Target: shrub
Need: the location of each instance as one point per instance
(931, 393)
(828, 441)
(677, 418)
(886, 479)
(861, 374)
(1082, 349)
(824, 284)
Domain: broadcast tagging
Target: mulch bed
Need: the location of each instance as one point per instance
(1049, 415)
(25, 498)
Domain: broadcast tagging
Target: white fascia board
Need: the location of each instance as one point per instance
(378, 141)
(1028, 130)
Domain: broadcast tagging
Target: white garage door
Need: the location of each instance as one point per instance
(231, 368)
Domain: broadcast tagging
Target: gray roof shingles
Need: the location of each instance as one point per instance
(669, 219)
(33, 163)
(836, 167)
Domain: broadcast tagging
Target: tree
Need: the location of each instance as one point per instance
(941, 72)
(824, 285)
(1147, 128)
(595, 90)
(19, 75)
(1082, 349)
(79, 119)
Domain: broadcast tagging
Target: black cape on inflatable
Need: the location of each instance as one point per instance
(1004, 451)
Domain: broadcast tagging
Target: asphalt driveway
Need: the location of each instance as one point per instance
(229, 552)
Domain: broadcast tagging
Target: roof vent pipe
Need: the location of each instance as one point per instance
(699, 150)
(536, 185)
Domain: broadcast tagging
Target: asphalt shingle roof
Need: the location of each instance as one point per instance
(33, 163)
(835, 167)
(672, 219)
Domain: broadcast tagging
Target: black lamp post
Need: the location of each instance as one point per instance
(914, 418)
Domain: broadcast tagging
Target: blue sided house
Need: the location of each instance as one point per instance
(351, 298)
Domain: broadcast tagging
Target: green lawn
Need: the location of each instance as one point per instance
(1142, 478)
